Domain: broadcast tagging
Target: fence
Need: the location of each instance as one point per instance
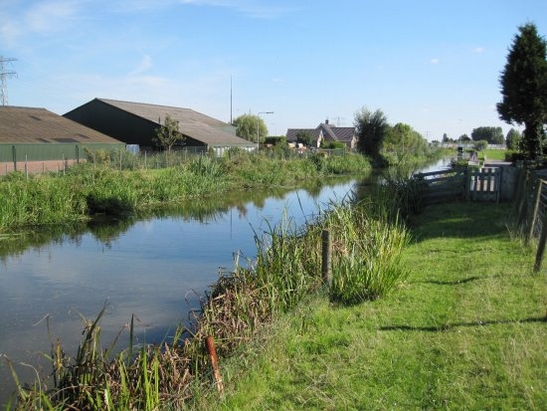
(530, 210)
(483, 184)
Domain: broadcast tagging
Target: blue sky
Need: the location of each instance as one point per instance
(434, 65)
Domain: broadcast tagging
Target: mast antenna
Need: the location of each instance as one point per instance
(4, 75)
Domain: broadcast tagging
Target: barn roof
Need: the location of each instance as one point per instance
(38, 125)
(191, 123)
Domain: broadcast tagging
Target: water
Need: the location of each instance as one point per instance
(156, 269)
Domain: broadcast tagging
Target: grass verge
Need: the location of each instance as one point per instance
(465, 331)
(92, 189)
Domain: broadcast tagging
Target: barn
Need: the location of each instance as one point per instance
(136, 124)
(37, 140)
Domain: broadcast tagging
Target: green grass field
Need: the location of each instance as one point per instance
(466, 331)
(493, 154)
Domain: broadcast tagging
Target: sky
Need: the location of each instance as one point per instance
(432, 64)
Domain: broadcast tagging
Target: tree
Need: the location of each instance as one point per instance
(524, 88)
(371, 129)
(464, 138)
(401, 142)
(513, 139)
(480, 145)
(249, 126)
(168, 134)
(494, 135)
(304, 137)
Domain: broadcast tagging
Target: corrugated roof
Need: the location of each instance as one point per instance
(38, 125)
(191, 123)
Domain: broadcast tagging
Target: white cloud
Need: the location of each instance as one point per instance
(478, 50)
(9, 32)
(253, 8)
(434, 61)
(51, 16)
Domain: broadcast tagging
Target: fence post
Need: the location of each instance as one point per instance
(467, 184)
(210, 343)
(499, 185)
(326, 262)
(523, 208)
(519, 196)
(541, 246)
(537, 197)
(14, 154)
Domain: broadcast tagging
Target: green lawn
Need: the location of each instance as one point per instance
(466, 331)
(493, 154)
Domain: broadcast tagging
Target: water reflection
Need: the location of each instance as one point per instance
(155, 265)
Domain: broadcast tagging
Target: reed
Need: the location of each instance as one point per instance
(114, 183)
(285, 271)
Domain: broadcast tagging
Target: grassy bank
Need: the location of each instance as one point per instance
(366, 252)
(105, 188)
(466, 331)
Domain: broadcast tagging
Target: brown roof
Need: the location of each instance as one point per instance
(38, 125)
(191, 123)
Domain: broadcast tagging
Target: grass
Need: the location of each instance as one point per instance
(466, 331)
(492, 154)
(95, 188)
(286, 270)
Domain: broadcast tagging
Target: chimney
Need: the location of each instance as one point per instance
(327, 121)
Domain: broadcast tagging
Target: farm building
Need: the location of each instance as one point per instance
(324, 132)
(44, 141)
(136, 123)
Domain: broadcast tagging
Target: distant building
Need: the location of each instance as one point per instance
(327, 133)
(136, 123)
(44, 141)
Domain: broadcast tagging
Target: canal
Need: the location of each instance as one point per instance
(156, 268)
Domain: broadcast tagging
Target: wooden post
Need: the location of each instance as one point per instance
(467, 184)
(541, 246)
(523, 211)
(210, 343)
(326, 262)
(499, 181)
(537, 197)
(520, 196)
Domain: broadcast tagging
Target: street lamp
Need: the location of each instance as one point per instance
(258, 127)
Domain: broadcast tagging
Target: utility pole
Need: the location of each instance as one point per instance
(4, 75)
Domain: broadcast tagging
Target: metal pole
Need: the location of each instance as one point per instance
(258, 127)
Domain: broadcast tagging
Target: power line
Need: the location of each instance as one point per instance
(4, 75)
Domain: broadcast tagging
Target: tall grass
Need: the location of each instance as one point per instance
(40, 200)
(367, 258)
(106, 187)
(286, 270)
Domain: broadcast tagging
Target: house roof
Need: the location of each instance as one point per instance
(38, 125)
(191, 123)
(344, 134)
